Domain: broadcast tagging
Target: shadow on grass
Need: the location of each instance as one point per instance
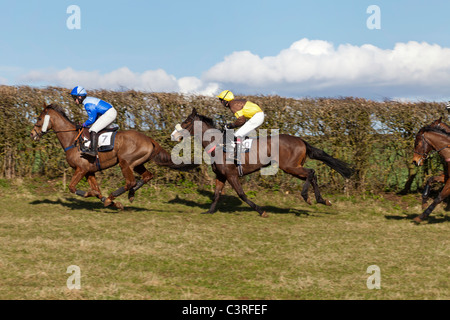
(79, 204)
(233, 204)
(431, 219)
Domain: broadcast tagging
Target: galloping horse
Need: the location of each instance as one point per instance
(442, 178)
(432, 138)
(131, 151)
(292, 154)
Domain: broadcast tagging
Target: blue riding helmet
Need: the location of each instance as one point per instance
(78, 91)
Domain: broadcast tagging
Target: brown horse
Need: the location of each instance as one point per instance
(428, 139)
(131, 151)
(442, 178)
(290, 152)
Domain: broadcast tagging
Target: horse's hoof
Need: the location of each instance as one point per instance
(96, 194)
(107, 202)
(119, 206)
(131, 199)
(264, 215)
(308, 201)
(417, 220)
(328, 203)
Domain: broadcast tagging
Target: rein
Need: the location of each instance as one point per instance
(73, 145)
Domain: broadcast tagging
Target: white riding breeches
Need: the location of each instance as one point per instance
(105, 120)
(251, 124)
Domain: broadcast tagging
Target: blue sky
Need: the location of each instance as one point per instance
(247, 46)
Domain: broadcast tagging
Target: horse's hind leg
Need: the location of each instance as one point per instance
(315, 185)
(146, 177)
(130, 182)
(310, 178)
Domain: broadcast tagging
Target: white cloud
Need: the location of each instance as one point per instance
(151, 80)
(195, 85)
(410, 70)
(311, 67)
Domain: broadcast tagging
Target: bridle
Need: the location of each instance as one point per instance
(44, 127)
(425, 155)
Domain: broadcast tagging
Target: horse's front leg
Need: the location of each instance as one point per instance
(445, 192)
(234, 182)
(76, 178)
(426, 189)
(95, 189)
(220, 183)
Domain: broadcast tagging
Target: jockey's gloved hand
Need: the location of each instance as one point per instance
(228, 126)
(78, 126)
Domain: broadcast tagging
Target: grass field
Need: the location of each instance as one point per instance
(161, 247)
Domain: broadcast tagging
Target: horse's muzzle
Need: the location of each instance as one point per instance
(417, 161)
(176, 134)
(35, 136)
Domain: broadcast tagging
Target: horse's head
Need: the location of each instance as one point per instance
(193, 121)
(53, 118)
(421, 148)
(187, 124)
(42, 125)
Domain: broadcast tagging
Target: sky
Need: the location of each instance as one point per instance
(399, 49)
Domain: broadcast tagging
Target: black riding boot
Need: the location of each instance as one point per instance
(94, 143)
(239, 142)
(228, 141)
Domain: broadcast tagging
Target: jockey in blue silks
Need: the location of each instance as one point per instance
(101, 114)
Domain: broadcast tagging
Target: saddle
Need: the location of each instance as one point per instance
(231, 145)
(112, 128)
(106, 138)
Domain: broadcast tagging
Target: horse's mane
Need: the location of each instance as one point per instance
(60, 110)
(435, 129)
(207, 120)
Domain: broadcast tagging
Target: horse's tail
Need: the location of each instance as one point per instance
(162, 158)
(338, 165)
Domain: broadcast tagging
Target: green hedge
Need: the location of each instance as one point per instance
(376, 138)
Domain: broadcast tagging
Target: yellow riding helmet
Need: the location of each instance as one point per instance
(226, 95)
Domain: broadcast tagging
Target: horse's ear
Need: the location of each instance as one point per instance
(194, 111)
(440, 119)
(43, 104)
